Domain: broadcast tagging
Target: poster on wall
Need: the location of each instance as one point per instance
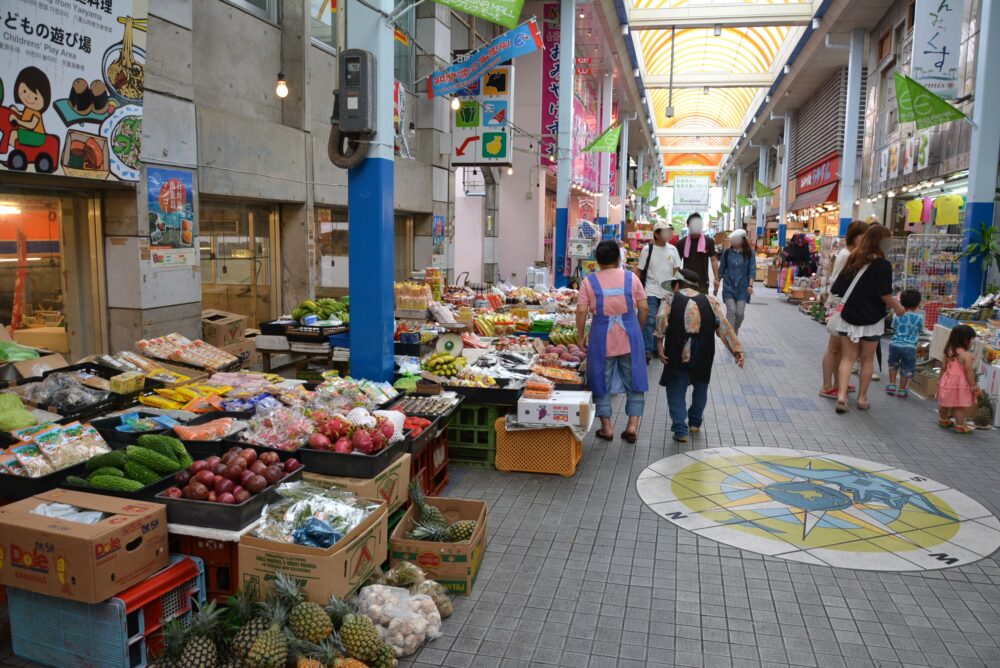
(923, 149)
(883, 165)
(909, 154)
(893, 161)
(691, 193)
(72, 77)
(937, 46)
(172, 227)
(482, 128)
(587, 209)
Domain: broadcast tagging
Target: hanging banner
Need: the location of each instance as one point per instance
(743, 200)
(587, 210)
(915, 103)
(725, 208)
(937, 46)
(760, 190)
(893, 161)
(691, 193)
(482, 128)
(644, 190)
(662, 212)
(909, 154)
(172, 231)
(883, 165)
(462, 77)
(399, 124)
(923, 150)
(653, 201)
(551, 34)
(607, 142)
(72, 78)
(502, 12)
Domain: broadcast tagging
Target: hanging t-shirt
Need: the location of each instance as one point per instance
(928, 215)
(914, 211)
(948, 208)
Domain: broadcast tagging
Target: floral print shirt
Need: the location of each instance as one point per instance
(692, 321)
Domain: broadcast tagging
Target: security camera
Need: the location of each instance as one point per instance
(670, 112)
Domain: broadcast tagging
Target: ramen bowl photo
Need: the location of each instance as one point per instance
(124, 68)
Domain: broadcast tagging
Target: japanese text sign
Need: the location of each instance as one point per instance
(937, 42)
(503, 12)
(461, 77)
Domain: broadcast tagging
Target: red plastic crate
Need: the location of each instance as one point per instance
(420, 470)
(221, 564)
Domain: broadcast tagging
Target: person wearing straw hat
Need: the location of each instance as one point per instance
(686, 327)
(657, 263)
(737, 270)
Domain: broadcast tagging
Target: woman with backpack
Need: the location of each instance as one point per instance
(737, 271)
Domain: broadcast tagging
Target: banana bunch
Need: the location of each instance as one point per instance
(485, 326)
(470, 378)
(562, 337)
(444, 364)
(325, 309)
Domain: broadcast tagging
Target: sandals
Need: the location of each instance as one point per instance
(891, 389)
(964, 429)
(842, 407)
(946, 423)
(864, 406)
(605, 437)
(631, 438)
(902, 394)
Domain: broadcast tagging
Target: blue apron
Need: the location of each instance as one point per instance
(597, 351)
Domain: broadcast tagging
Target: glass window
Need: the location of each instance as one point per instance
(267, 9)
(332, 251)
(322, 27)
(405, 65)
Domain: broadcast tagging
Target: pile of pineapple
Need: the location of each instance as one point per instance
(433, 525)
(283, 630)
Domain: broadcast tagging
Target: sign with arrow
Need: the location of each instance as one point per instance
(482, 128)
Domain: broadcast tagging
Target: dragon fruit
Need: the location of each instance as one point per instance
(362, 442)
(386, 428)
(343, 446)
(319, 441)
(379, 440)
(338, 427)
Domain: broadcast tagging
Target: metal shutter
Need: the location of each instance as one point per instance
(819, 130)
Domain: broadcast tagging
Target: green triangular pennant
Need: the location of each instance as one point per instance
(662, 212)
(917, 104)
(653, 202)
(644, 190)
(725, 208)
(760, 190)
(742, 200)
(607, 142)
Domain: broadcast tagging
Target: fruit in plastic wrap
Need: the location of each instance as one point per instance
(439, 594)
(405, 574)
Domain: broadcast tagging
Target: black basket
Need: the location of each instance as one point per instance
(106, 427)
(274, 328)
(212, 515)
(353, 465)
(107, 405)
(312, 333)
(107, 373)
(16, 487)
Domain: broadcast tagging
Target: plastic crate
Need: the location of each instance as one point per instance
(554, 450)
(221, 560)
(122, 632)
(475, 416)
(439, 453)
(480, 458)
(420, 470)
(472, 438)
(439, 482)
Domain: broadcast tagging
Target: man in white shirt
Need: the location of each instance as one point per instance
(658, 262)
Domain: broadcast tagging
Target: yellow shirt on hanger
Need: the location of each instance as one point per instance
(947, 208)
(914, 209)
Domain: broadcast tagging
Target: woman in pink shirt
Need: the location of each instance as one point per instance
(617, 302)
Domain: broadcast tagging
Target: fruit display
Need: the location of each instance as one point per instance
(282, 429)
(230, 479)
(416, 425)
(443, 364)
(408, 620)
(493, 324)
(178, 348)
(325, 309)
(557, 374)
(432, 525)
(411, 577)
(469, 377)
(563, 336)
(571, 353)
(358, 432)
(518, 344)
(130, 470)
(524, 296)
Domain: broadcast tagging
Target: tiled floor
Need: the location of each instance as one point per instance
(579, 572)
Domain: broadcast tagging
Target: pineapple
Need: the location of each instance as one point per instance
(360, 637)
(984, 412)
(307, 620)
(322, 655)
(458, 532)
(174, 635)
(462, 530)
(349, 663)
(249, 620)
(200, 650)
(385, 658)
(270, 648)
(337, 608)
(428, 513)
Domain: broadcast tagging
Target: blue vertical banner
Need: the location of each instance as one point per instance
(173, 230)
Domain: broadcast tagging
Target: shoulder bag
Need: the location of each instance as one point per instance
(645, 267)
(834, 323)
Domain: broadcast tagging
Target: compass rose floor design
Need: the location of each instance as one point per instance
(819, 509)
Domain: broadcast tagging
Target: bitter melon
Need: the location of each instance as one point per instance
(116, 484)
(143, 474)
(115, 459)
(152, 459)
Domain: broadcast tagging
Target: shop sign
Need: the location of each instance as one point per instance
(819, 175)
(172, 228)
(72, 76)
(464, 75)
(937, 45)
(482, 128)
(399, 124)
(551, 35)
(587, 210)
(691, 193)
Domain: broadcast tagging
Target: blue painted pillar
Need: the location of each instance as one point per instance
(564, 172)
(980, 204)
(763, 152)
(852, 126)
(370, 189)
(785, 176)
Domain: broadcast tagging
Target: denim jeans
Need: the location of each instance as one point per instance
(680, 415)
(903, 359)
(650, 327)
(734, 312)
(635, 402)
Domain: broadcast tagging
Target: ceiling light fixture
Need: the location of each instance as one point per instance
(281, 87)
(788, 69)
(815, 23)
(625, 29)
(635, 73)
(706, 90)
(582, 15)
(767, 98)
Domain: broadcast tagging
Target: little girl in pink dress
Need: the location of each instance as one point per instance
(958, 391)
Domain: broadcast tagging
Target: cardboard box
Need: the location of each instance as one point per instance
(51, 338)
(563, 409)
(390, 487)
(771, 279)
(82, 562)
(455, 565)
(221, 328)
(925, 386)
(338, 570)
(246, 351)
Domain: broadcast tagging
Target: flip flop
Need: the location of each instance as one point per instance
(842, 407)
(829, 394)
(964, 429)
(864, 406)
(902, 394)
(605, 437)
(891, 389)
(946, 424)
(631, 438)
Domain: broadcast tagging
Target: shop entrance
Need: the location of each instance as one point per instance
(52, 290)
(238, 242)
(333, 252)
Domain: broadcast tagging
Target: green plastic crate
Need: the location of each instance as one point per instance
(477, 416)
(472, 438)
(472, 457)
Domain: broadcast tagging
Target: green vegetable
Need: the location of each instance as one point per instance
(115, 484)
(78, 481)
(107, 470)
(154, 460)
(143, 474)
(176, 447)
(115, 459)
(156, 443)
(13, 414)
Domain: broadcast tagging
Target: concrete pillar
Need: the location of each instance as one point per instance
(852, 125)
(564, 172)
(370, 208)
(764, 152)
(786, 163)
(623, 176)
(739, 191)
(980, 206)
(607, 89)
(640, 203)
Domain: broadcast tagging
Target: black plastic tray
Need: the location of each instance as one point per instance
(212, 515)
(15, 487)
(352, 465)
(312, 333)
(111, 403)
(493, 396)
(211, 447)
(106, 427)
(107, 373)
(417, 444)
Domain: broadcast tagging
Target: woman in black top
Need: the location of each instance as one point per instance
(863, 317)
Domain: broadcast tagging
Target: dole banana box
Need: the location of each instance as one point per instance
(82, 562)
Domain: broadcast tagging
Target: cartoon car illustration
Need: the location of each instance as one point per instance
(43, 157)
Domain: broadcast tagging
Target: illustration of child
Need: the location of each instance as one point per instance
(31, 89)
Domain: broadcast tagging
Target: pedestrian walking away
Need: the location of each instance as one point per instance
(658, 262)
(831, 358)
(686, 327)
(903, 347)
(737, 269)
(615, 362)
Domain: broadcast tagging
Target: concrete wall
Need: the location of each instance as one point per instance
(468, 233)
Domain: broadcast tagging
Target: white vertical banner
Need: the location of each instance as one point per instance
(937, 43)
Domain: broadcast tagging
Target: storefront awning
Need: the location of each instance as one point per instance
(814, 197)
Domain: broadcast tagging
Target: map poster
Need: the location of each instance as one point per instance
(72, 78)
(172, 228)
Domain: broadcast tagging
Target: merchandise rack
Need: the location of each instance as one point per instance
(932, 263)
(897, 257)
